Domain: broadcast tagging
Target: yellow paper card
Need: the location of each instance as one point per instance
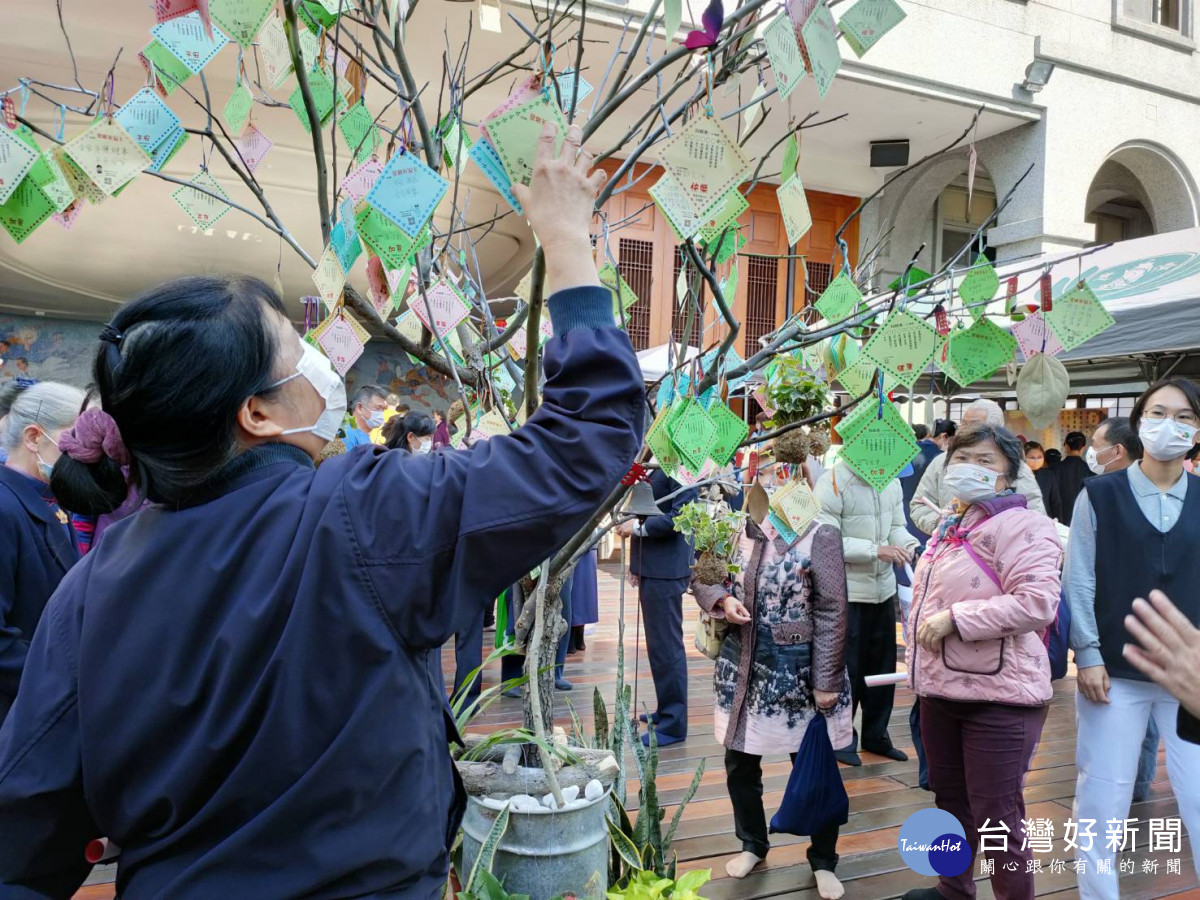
(705, 161)
(329, 277)
(108, 155)
(793, 203)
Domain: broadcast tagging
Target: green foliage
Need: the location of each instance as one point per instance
(489, 888)
(647, 885)
(487, 852)
(465, 712)
(794, 391)
(713, 528)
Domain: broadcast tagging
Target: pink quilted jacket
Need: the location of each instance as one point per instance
(997, 654)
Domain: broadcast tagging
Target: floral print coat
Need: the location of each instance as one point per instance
(795, 642)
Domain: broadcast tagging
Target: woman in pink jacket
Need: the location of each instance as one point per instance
(984, 593)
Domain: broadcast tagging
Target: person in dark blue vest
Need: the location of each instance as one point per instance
(661, 559)
(1132, 532)
(240, 685)
(37, 544)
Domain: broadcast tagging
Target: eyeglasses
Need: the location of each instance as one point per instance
(1187, 417)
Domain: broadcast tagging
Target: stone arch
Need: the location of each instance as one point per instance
(1147, 175)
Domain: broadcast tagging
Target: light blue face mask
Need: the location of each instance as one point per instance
(375, 420)
(45, 469)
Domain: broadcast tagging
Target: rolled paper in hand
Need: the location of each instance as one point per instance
(889, 678)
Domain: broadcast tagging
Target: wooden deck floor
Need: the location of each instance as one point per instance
(882, 793)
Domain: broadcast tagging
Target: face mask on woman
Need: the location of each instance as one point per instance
(318, 372)
(45, 469)
(1166, 439)
(425, 446)
(971, 483)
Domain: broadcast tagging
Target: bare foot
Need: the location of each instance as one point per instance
(741, 865)
(828, 885)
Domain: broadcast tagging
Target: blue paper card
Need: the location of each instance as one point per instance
(488, 160)
(166, 148)
(407, 192)
(345, 243)
(566, 84)
(185, 37)
(147, 119)
(784, 529)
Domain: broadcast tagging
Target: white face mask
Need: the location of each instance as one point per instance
(424, 447)
(319, 372)
(1166, 439)
(1092, 458)
(971, 483)
(375, 420)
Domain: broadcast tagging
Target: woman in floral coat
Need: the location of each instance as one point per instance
(781, 663)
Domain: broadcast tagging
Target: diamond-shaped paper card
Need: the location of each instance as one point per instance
(731, 243)
(1034, 337)
(903, 346)
(16, 159)
(566, 88)
(447, 304)
(341, 344)
(56, 186)
(237, 108)
(976, 352)
(242, 19)
(107, 155)
(692, 432)
(360, 181)
(820, 36)
(1078, 316)
(839, 299)
(515, 134)
(167, 149)
(148, 120)
(165, 10)
(485, 156)
(253, 146)
(705, 160)
(167, 69)
(867, 21)
(407, 192)
(322, 89)
(611, 279)
(385, 239)
(795, 502)
(723, 214)
(676, 206)
(784, 52)
(979, 287)
(204, 209)
(344, 240)
(358, 128)
(26, 209)
(730, 432)
(659, 441)
(329, 276)
(793, 204)
(274, 53)
(187, 38)
(881, 449)
(81, 185)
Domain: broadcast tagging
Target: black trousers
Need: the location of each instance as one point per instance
(662, 617)
(468, 656)
(743, 777)
(871, 650)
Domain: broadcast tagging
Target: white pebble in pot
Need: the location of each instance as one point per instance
(594, 790)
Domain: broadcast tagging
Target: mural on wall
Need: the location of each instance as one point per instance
(36, 348)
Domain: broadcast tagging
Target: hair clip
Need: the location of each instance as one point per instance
(111, 335)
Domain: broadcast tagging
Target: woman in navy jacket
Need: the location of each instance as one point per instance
(239, 685)
(37, 543)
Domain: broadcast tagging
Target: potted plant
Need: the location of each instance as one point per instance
(796, 394)
(713, 529)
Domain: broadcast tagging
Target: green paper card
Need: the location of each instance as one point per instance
(979, 287)
(692, 432)
(322, 89)
(730, 431)
(659, 441)
(840, 299)
(867, 21)
(169, 70)
(27, 208)
(241, 18)
(911, 277)
(730, 244)
(57, 188)
(730, 285)
(791, 157)
(515, 135)
(203, 209)
(881, 448)
(976, 352)
(1078, 316)
(675, 205)
(456, 143)
(852, 424)
(856, 378)
(793, 203)
(784, 53)
(386, 239)
(903, 346)
(724, 213)
(820, 41)
(611, 279)
(237, 108)
(358, 128)
(704, 159)
(17, 158)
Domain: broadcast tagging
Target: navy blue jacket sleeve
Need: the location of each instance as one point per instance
(43, 815)
(13, 643)
(438, 536)
(664, 525)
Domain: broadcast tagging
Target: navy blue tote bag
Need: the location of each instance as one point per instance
(815, 797)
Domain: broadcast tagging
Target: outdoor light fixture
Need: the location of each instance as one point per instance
(1037, 75)
(489, 16)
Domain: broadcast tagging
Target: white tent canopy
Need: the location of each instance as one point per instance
(656, 361)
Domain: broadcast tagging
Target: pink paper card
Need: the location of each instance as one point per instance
(1032, 335)
(341, 344)
(359, 182)
(447, 303)
(525, 91)
(253, 145)
(67, 217)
